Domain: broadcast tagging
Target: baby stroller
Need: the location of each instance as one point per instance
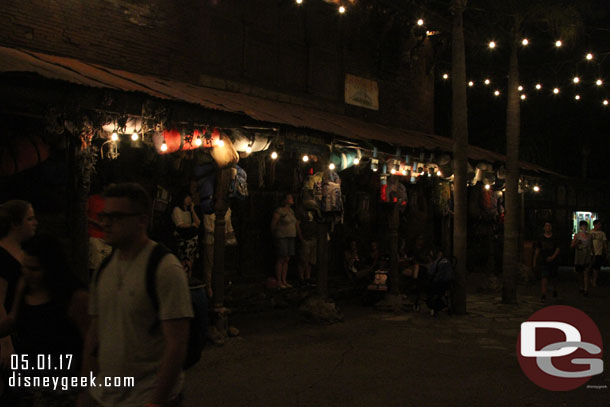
(440, 281)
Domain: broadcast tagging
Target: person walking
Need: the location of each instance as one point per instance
(545, 256)
(129, 335)
(284, 229)
(600, 250)
(582, 243)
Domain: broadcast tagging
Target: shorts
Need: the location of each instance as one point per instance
(548, 270)
(308, 252)
(598, 262)
(284, 246)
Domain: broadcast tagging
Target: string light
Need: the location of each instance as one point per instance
(393, 171)
(446, 76)
(299, 1)
(605, 102)
(248, 150)
(487, 186)
(599, 82)
(219, 143)
(520, 88)
(356, 161)
(589, 56)
(471, 84)
(577, 97)
(114, 136)
(523, 97)
(525, 42)
(576, 79)
(538, 86)
(274, 155)
(404, 172)
(558, 43)
(164, 146)
(492, 44)
(487, 81)
(439, 173)
(331, 166)
(305, 158)
(556, 91)
(341, 9)
(536, 188)
(134, 136)
(199, 142)
(420, 22)
(497, 93)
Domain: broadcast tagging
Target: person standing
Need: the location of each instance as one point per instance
(307, 232)
(600, 249)
(17, 223)
(132, 337)
(284, 230)
(545, 256)
(187, 231)
(582, 243)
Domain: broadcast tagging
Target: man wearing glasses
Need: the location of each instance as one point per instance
(122, 311)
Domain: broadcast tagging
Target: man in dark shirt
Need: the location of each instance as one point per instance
(545, 257)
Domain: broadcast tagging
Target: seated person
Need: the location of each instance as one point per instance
(418, 258)
(361, 268)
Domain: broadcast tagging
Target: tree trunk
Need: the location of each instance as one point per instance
(459, 131)
(511, 196)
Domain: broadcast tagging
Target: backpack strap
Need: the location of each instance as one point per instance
(157, 254)
(102, 266)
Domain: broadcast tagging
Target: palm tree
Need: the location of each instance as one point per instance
(459, 131)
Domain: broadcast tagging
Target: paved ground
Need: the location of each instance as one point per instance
(380, 359)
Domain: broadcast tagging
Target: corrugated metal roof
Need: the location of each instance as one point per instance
(89, 74)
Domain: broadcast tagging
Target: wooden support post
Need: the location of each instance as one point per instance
(393, 234)
(322, 259)
(218, 281)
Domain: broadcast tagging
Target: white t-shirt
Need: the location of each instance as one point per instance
(125, 315)
(599, 241)
(181, 217)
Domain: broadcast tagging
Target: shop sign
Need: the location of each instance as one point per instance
(361, 92)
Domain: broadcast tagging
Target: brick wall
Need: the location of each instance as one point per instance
(270, 44)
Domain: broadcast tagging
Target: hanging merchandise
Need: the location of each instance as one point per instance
(239, 183)
(206, 177)
(314, 184)
(223, 151)
(22, 153)
(250, 143)
(173, 140)
(332, 201)
(395, 192)
(442, 197)
(345, 158)
(130, 124)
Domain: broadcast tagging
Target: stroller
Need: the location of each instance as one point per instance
(440, 281)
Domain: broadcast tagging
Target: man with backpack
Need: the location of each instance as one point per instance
(140, 307)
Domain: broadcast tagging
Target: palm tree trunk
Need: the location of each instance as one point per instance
(459, 131)
(511, 196)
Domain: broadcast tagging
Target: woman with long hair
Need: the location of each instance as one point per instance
(187, 231)
(284, 226)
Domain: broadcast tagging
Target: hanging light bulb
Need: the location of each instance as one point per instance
(523, 97)
(164, 146)
(577, 97)
(538, 86)
(599, 82)
(497, 93)
(341, 9)
(356, 161)
(274, 155)
(471, 84)
(556, 91)
(487, 81)
(305, 158)
(525, 42)
(420, 22)
(114, 136)
(248, 149)
(198, 141)
(134, 136)
(445, 76)
(536, 188)
(487, 186)
(576, 79)
(439, 173)
(331, 166)
(299, 1)
(558, 43)
(605, 102)
(520, 88)
(492, 44)
(392, 171)
(589, 56)
(219, 142)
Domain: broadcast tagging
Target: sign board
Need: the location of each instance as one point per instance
(361, 92)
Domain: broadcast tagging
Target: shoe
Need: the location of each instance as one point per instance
(543, 298)
(554, 293)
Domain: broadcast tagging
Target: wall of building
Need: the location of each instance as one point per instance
(268, 48)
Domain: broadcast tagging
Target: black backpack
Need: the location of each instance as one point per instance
(197, 336)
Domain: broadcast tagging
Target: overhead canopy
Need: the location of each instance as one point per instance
(89, 74)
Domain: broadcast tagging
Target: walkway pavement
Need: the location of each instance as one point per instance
(380, 359)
